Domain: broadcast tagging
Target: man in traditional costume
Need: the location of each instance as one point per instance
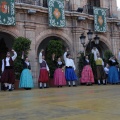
(95, 52)
(100, 70)
(44, 71)
(70, 69)
(8, 74)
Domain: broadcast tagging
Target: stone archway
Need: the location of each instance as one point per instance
(6, 42)
(44, 43)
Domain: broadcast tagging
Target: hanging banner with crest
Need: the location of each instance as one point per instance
(56, 13)
(7, 12)
(100, 20)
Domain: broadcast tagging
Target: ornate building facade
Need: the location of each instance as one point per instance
(32, 23)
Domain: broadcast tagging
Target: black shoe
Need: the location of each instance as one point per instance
(99, 84)
(69, 85)
(10, 90)
(58, 86)
(74, 85)
(40, 87)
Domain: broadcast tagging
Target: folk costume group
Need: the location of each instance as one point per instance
(64, 72)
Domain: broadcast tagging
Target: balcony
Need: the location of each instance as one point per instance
(88, 9)
(33, 2)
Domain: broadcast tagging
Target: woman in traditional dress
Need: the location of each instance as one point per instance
(44, 71)
(87, 74)
(70, 69)
(26, 80)
(113, 76)
(59, 77)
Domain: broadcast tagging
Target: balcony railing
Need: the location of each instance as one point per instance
(32, 2)
(88, 9)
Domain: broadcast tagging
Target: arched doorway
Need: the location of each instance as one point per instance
(6, 42)
(102, 47)
(44, 43)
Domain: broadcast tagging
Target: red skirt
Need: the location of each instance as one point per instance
(59, 77)
(87, 75)
(44, 76)
(8, 76)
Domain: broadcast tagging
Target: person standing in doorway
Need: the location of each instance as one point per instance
(95, 52)
(44, 71)
(8, 74)
(70, 69)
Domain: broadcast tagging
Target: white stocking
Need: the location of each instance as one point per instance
(40, 84)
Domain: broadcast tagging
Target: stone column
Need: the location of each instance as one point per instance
(30, 33)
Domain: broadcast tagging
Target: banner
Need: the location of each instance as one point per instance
(7, 12)
(100, 20)
(56, 13)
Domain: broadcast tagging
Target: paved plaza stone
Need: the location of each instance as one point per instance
(75, 103)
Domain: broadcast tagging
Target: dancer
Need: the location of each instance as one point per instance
(44, 71)
(70, 69)
(106, 69)
(8, 74)
(95, 52)
(113, 76)
(26, 80)
(59, 77)
(87, 74)
(100, 70)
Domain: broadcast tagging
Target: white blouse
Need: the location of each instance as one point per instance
(69, 62)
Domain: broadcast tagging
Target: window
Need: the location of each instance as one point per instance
(45, 3)
(94, 3)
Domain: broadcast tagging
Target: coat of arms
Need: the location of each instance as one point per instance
(4, 7)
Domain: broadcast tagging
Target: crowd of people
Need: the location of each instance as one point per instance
(64, 74)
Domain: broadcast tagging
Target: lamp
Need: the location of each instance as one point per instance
(90, 35)
(82, 39)
(97, 39)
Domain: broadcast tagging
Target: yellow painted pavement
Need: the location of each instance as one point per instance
(74, 103)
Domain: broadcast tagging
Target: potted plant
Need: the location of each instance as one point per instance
(20, 44)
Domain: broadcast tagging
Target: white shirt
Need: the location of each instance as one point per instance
(95, 52)
(69, 62)
(106, 70)
(7, 60)
(41, 60)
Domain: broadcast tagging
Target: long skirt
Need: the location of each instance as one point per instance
(44, 76)
(26, 80)
(59, 77)
(70, 74)
(100, 73)
(113, 75)
(87, 75)
(8, 76)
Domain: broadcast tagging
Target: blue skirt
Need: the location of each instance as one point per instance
(70, 74)
(26, 80)
(113, 75)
